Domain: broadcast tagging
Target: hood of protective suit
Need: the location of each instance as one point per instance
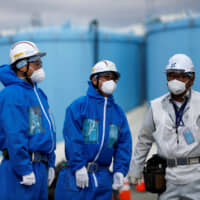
(8, 77)
(92, 92)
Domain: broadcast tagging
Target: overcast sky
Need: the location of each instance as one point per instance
(110, 13)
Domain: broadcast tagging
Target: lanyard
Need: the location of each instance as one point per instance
(179, 114)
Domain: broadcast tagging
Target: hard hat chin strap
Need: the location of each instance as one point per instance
(97, 85)
(26, 73)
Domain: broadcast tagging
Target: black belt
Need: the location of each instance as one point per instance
(5, 154)
(93, 167)
(182, 161)
(38, 157)
(34, 156)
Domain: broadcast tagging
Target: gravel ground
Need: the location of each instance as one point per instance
(141, 195)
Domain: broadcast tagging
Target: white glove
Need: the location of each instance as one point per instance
(28, 179)
(118, 180)
(51, 175)
(136, 180)
(82, 179)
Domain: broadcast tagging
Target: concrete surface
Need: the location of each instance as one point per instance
(141, 195)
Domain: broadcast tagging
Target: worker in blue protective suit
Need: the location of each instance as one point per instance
(95, 131)
(27, 129)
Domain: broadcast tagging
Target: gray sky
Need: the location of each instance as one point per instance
(110, 13)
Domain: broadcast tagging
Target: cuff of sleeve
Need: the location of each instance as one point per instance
(51, 165)
(77, 167)
(121, 171)
(24, 170)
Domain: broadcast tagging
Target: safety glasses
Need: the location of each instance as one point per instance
(108, 76)
(37, 62)
(175, 75)
(24, 62)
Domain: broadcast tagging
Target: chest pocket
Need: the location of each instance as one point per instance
(35, 120)
(113, 135)
(90, 131)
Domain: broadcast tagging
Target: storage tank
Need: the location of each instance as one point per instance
(164, 39)
(69, 60)
(127, 51)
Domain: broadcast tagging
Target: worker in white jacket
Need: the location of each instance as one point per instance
(173, 123)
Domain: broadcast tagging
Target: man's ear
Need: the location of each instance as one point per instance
(94, 81)
(192, 80)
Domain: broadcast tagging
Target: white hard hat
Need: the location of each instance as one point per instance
(181, 63)
(104, 66)
(24, 49)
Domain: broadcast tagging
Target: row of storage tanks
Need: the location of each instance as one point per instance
(141, 60)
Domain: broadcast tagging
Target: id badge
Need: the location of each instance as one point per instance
(188, 137)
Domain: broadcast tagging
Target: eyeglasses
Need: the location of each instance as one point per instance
(108, 77)
(37, 62)
(177, 75)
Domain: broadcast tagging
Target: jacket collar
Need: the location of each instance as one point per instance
(168, 106)
(8, 77)
(93, 93)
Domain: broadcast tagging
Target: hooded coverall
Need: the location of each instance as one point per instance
(95, 130)
(159, 126)
(26, 127)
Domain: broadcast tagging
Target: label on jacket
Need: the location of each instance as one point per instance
(113, 135)
(35, 120)
(90, 131)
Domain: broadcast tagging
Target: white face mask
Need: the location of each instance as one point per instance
(108, 87)
(38, 75)
(176, 87)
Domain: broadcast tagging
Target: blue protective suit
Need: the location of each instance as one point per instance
(26, 126)
(95, 130)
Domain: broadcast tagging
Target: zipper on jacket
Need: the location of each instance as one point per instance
(45, 114)
(102, 140)
(104, 127)
(95, 179)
